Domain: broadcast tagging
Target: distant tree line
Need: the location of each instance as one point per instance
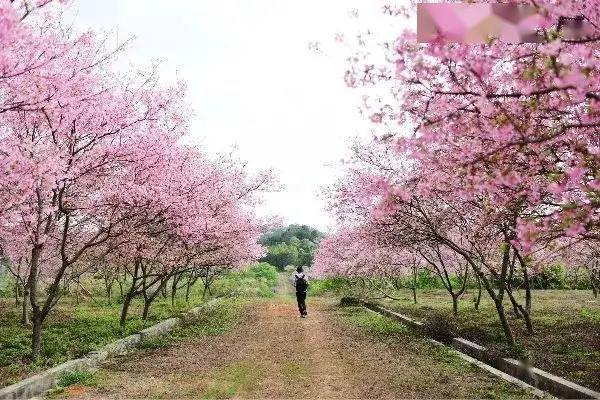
(292, 245)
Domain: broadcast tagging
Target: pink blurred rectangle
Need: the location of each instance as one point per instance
(478, 23)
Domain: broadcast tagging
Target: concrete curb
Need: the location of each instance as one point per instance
(392, 314)
(504, 368)
(39, 384)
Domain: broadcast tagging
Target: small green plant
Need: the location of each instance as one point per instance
(591, 314)
(75, 377)
(265, 272)
(7, 283)
(551, 277)
(521, 353)
(427, 280)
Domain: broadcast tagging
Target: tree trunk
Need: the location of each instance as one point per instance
(36, 337)
(24, 307)
(504, 322)
(515, 305)
(522, 311)
(18, 293)
(527, 292)
(147, 303)
(108, 284)
(125, 309)
(454, 304)
(206, 287)
(149, 296)
(593, 281)
(174, 289)
(187, 292)
(121, 289)
(478, 299)
(414, 285)
(497, 299)
(528, 322)
(77, 293)
(526, 282)
(32, 280)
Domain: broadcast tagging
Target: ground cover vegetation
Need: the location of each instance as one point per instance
(87, 318)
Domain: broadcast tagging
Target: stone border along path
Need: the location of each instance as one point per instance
(509, 369)
(39, 384)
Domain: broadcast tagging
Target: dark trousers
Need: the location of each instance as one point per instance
(301, 297)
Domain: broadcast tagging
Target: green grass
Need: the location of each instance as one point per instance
(373, 322)
(329, 286)
(68, 379)
(566, 341)
(70, 332)
(233, 380)
(422, 367)
(73, 330)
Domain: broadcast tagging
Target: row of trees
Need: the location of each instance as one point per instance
(486, 162)
(94, 177)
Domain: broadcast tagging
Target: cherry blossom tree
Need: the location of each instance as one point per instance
(355, 254)
(491, 149)
(94, 168)
(516, 124)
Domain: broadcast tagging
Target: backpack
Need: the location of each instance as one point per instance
(301, 283)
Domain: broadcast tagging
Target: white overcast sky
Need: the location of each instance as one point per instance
(254, 83)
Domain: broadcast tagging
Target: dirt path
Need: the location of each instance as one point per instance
(275, 354)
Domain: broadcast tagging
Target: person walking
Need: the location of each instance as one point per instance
(301, 285)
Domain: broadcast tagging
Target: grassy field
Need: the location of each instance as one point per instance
(566, 341)
(72, 330)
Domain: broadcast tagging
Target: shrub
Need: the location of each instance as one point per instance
(427, 280)
(257, 281)
(349, 302)
(551, 277)
(439, 327)
(503, 350)
(319, 287)
(7, 283)
(264, 271)
(238, 285)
